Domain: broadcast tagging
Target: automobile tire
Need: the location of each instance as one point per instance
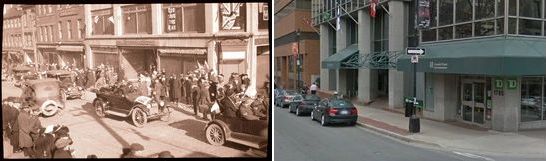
(139, 117)
(49, 110)
(99, 108)
(323, 121)
(298, 111)
(166, 116)
(312, 116)
(215, 135)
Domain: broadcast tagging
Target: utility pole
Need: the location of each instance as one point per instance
(298, 62)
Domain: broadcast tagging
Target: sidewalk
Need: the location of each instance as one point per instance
(531, 144)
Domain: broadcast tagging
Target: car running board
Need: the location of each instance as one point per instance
(248, 140)
(116, 113)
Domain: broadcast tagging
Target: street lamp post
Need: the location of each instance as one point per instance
(298, 62)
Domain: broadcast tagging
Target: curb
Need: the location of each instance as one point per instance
(395, 135)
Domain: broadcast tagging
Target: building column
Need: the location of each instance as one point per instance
(88, 30)
(251, 60)
(396, 43)
(118, 18)
(505, 109)
(157, 19)
(367, 89)
(211, 15)
(324, 53)
(341, 43)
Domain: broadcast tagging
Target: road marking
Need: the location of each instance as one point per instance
(473, 156)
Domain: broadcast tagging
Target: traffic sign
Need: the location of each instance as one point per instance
(414, 59)
(415, 51)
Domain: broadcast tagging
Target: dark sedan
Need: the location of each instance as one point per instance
(284, 98)
(306, 106)
(335, 111)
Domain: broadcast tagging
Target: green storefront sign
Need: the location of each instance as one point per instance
(499, 84)
(420, 103)
(512, 83)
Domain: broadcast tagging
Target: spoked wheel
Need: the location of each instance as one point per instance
(99, 108)
(49, 110)
(215, 135)
(139, 117)
(322, 121)
(166, 116)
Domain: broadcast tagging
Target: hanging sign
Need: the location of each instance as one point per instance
(171, 19)
(423, 14)
(265, 14)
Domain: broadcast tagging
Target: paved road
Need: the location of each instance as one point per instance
(299, 138)
(183, 135)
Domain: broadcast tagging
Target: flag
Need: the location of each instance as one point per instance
(96, 19)
(199, 67)
(207, 68)
(111, 19)
(338, 26)
(373, 4)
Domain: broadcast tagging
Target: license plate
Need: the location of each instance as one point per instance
(344, 112)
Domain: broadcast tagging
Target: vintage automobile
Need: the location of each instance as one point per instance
(45, 95)
(115, 101)
(22, 73)
(230, 126)
(67, 79)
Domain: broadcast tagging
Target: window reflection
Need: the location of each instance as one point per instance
(531, 98)
(446, 12)
(530, 8)
(530, 27)
(463, 10)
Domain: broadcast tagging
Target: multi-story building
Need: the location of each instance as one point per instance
(229, 37)
(28, 23)
(293, 34)
(59, 34)
(485, 61)
(12, 35)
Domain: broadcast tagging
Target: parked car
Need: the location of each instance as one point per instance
(335, 111)
(229, 125)
(285, 97)
(67, 79)
(305, 106)
(116, 101)
(45, 95)
(22, 73)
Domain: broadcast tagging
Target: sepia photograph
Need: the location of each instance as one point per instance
(152, 80)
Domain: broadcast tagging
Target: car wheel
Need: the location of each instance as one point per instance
(215, 135)
(139, 117)
(166, 116)
(312, 116)
(298, 111)
(323, 121)
(49, 110)
(99, 108)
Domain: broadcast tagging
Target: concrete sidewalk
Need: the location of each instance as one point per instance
(529, 144)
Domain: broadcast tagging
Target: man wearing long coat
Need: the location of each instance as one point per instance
(90, 78)
(177, 90)
(28, 124)
(188, 89)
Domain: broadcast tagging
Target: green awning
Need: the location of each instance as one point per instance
(335, 61)
(491, 56)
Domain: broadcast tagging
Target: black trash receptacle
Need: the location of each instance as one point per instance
(409, 109)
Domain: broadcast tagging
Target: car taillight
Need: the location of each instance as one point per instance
(332, 111)
(354, 111)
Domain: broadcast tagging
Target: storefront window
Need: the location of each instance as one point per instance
(445, 33)
(463, 31)
(500, 26)
(500, 7)
(103, 22)
(137, 19)
(530, 27)
(429, 35)
(530, 8)
(263, 16)
(484, 28)
(484, 9)
(463, 10)
(184, 17)
(445, 12)
(532, 98)
(233, 16)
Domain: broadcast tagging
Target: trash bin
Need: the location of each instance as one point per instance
(409, 109)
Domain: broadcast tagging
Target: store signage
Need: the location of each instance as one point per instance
(171, 19)
(512, 84)
(423, 14)
(499, 84)
(136, 43)
(233, 55)
(437, 65)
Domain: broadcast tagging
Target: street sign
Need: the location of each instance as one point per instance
(418, 103)
(414, 59)
(415, 51)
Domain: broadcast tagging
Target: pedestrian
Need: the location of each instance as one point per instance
(164, 88)
(142, 85)
(63, 149)
(29, 124)
(165, 154)
(313, 88)
(195, 95)
(134, 151)
(187, 89)
(90, 78)
(204, 98)
(101, 82)
(177, 90)
(171, 88)
(10, 114)
(45, 145)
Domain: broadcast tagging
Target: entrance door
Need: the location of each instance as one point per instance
(473, 101)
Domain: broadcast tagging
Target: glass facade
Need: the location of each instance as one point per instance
(533, 93)
(459, 19)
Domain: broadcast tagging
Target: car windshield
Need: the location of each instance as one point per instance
(46, 90)
(312, 98)
(341, 103)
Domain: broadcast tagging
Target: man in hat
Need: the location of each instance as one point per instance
(195, 95)
(134, 151)
(204, 98)
(28, 124)
(63, 149)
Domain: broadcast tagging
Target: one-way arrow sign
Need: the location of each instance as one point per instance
(415, 51)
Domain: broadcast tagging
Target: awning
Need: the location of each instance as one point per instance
(70, 48)
(335, 61)
(492, 56)
(183, 51)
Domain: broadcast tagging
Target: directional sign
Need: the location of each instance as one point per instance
(415, 51)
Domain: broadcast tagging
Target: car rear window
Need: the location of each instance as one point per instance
(341, 103)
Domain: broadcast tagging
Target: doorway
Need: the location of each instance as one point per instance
(473, 101)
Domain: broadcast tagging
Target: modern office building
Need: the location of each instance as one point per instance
(485, 60)
(293, 34)
(230, 37)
